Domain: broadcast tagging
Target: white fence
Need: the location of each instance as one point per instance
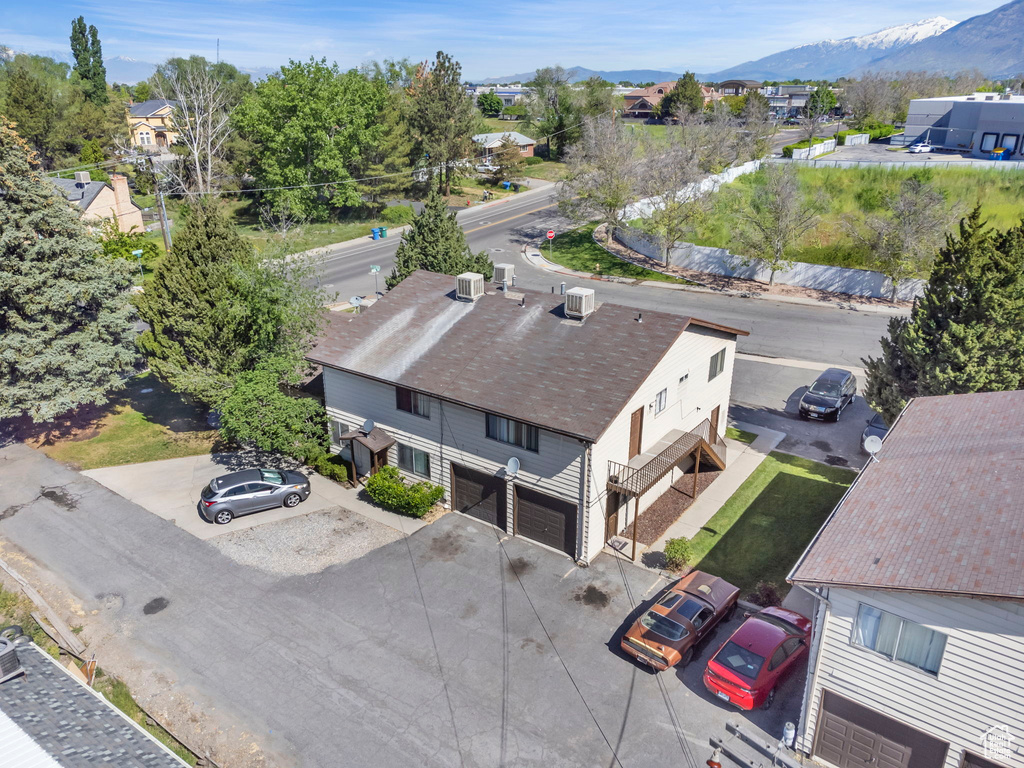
(643, 208)
(909, 165)
(857, 139)
(818, 149)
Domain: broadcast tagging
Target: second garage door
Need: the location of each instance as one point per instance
(546, 519)
(479, 494)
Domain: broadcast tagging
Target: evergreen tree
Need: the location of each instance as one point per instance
(188, 344)
(442, 117)
(80, 47)
(966, 334)
(508, 161)
(66, 332)
(88, 55)
(687, 97)
(436, 243)
(386, 159)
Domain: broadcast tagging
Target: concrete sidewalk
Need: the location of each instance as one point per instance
(741, 461)
(170, 489)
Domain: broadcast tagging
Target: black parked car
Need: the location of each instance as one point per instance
(876, 428)
(830, 393)
(251, 490)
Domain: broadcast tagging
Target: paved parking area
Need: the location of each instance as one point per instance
(449, 646)
(883, 153)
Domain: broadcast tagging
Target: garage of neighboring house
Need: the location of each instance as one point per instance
(853, 736)
(546, 519)
(479, 494)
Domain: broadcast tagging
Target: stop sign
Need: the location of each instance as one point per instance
(551, 234)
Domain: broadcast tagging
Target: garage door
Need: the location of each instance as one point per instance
(546, 519)
(850, 735)
(479, 494)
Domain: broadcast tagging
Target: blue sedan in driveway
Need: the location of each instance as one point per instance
(251, 490)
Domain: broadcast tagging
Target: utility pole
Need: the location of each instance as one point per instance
(163, 211)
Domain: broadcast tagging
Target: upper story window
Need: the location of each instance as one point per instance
(717, 364)
(661, 401)
(899, 639)
(512, 432)
(412, 402)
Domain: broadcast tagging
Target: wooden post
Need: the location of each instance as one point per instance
(636, 514)
(352, 460)
(696, 471)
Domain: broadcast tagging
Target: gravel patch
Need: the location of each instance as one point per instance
(306, 544)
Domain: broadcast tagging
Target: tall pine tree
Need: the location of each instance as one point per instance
(189, 345)
(66, 330)
(436, 243)
(966, 334)
(386, 160)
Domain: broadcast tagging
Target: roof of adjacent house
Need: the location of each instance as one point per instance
(527, 362)
(50, 719)
(744, 83)
(151, 107)
(81, 195)
(491, 139)
(940, 511)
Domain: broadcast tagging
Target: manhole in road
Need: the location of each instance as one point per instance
(497, 250)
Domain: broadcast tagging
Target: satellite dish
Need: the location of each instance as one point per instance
(368, 426)
(873, 445)
(512, 467)
(356, 301)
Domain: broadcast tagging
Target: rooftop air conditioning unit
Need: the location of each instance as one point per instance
(579, 302)
(82, 177)
(504, 272)
(10, 666)
(469, 286)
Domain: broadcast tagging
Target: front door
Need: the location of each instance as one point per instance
(714, 422)
(636, 431)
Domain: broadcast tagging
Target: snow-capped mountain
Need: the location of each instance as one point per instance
(833, 58)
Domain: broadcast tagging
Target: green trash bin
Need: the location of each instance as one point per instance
(383, 231)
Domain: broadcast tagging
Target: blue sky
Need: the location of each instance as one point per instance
(490, 39)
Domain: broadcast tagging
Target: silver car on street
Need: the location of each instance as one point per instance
(251, 490)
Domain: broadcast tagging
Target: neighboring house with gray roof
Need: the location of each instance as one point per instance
(491, 142)
(99, 201)
(151, 124)
(917, 657)
(49, 719)
(603, 407)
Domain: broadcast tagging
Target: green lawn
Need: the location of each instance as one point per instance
(762, 529)
(739, 434)
(848, 195)
(137, 426)
(549, 170)
(576, 249)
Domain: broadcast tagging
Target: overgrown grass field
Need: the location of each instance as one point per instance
(848, 195)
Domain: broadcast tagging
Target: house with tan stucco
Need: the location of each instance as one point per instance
(99, 201)
(151, 124)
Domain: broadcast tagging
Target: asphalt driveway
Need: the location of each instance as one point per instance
(449, 646)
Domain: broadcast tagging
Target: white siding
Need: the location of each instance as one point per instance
(454, 433)
(686, 409)
(980, 682)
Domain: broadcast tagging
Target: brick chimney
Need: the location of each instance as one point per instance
(122, 197)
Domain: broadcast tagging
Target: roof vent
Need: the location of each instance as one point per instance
(10, 666)
(503, 272)
(579, 302)
(82, 177)
(469, 286)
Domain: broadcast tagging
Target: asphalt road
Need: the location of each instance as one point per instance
(449, 647)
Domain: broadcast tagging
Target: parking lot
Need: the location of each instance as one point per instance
(451, 646)
(883, 153)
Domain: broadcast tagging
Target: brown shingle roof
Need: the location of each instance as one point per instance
(942, 510)
(528, 362)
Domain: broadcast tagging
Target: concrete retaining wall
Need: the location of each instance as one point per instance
(857, 139)
(643, 208)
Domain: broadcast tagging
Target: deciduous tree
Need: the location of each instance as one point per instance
(386, 158)
(490, 104)
(966, 334)
(508, 161)
(88, 54)
(66, 332)
(435, 242)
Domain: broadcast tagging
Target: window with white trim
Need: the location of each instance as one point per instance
(412, 402)
(337, 430)
(145, 138)
(512, 432)
(661, 401)
(413, 460)
(898, 639)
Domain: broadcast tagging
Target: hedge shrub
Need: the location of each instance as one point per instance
(874, 130)
(533, 160)
(787, 151)
(677, 554)
(398, 214)
(330, 465)
(388, 489)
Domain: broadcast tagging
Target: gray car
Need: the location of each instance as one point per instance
(251, 490)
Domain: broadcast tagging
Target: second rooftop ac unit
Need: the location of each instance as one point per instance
(579, 302)
(469, 286)
(504, 272)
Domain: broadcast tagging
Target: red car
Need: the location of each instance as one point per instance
(751, 665)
